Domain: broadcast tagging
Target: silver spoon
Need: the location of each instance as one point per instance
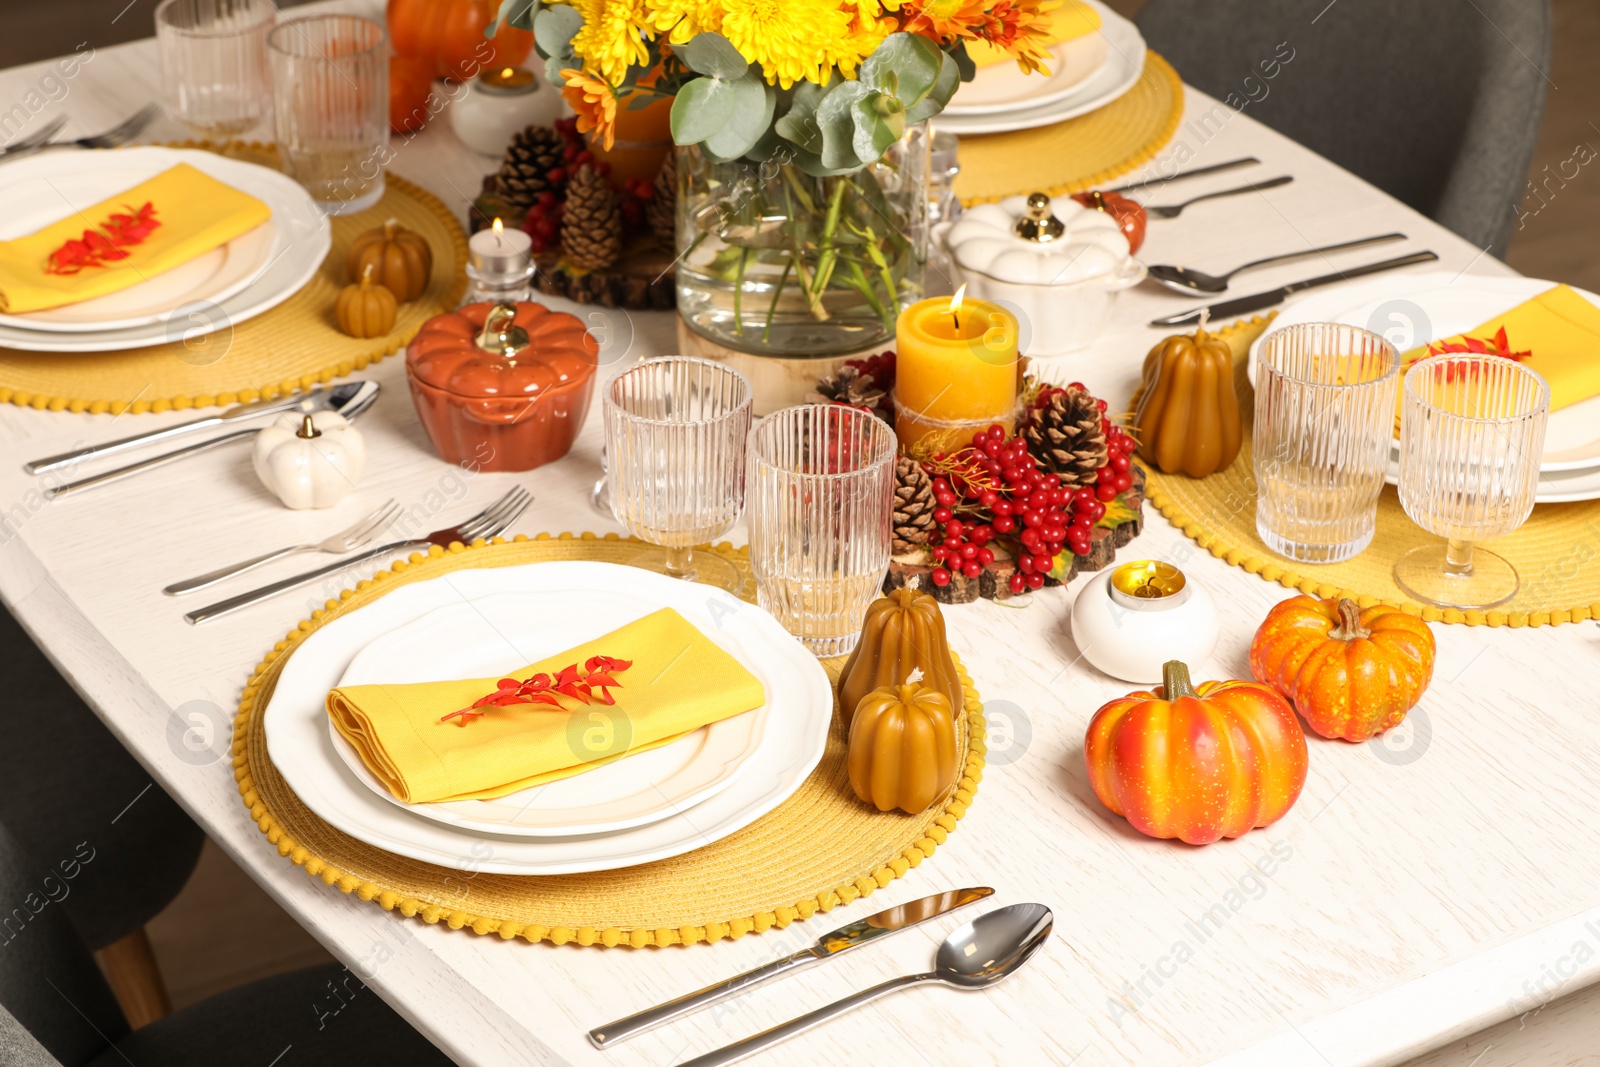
(976, 955)
(1188, 280)
(1172, 211)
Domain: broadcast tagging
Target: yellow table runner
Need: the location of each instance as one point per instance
(1554, 551)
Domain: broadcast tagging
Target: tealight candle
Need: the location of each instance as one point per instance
(499, 102)
(1130, 620)
(499, 265)
(956, 368)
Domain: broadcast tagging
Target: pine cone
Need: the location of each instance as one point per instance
(662, 209)
(535, 162)
(913, 506)
(1065, 436)
(851, 387)
(591, 222)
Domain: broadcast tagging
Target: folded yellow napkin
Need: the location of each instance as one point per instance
(680, 681)
(1562, 331)
(197, 214)
(1073, 19)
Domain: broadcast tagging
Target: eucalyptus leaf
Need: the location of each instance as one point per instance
(753, 101)
(554, 28)
(964, 63)
(518, 13)
(799, 123)
(837, 124)
(558, 63)
(700, 108)
(904, 65)
(943, 89)
(712, 54)
(879, 121)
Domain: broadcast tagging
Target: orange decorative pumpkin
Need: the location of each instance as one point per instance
(902, 748)
(401, 260)
(1197, 763)
(449, 35)
(1129, 213)
(410, 86)
(365, 310)
(1351, 673)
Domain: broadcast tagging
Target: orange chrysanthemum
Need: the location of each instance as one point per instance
(594, 101)
(1017, 27)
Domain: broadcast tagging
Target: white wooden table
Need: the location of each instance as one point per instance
(1424, 887)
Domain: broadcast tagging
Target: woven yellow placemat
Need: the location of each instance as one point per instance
(291, 347)
(1079, 153)
(820, 848)
(1553, 551)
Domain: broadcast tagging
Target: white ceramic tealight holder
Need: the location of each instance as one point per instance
(498, 104)
(1056, 264)
(1133, 618)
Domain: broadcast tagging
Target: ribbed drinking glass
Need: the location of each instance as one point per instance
(1471, 434)
(675, 460)
(330, 95)
(214, 62)
(821, 500)
(1325, 397)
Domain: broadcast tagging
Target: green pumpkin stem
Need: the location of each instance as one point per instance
(1349, 628)
(1175, 681)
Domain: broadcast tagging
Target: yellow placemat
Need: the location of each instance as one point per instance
(293, 346)
(1080, 153)
(820, 848)
(1554, 551)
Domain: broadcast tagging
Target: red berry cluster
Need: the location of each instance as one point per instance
(542, 223)
(879, 369)
(998, 486)
(1116, 477)
(543, 220)
(633, 196)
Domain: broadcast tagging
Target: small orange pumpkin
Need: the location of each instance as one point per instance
(902, 748)
(1351, 673)
(364, 309)
(401, 259)
(1197, 762)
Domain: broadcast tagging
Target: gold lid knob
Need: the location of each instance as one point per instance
(1040, 224)
(500, 332)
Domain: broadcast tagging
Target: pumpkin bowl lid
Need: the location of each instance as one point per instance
(559, 353)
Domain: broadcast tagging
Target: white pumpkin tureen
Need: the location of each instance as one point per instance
(1055, 263)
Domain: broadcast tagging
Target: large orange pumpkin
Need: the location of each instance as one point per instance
(1197, 763)
(449, 34)
(410, 87)
(1351, 673)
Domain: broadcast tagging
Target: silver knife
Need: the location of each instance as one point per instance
(349, 400)
(255, 409)
(1245, 304)
(1215, 168)
(827, 946)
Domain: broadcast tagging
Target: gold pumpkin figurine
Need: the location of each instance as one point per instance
(365, 310)
(1188, 414)
(903, 632)
(401, 259)
(902, 748)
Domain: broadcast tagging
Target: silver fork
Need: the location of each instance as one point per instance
(490, 522)
(359, 535)
(120, 134)
(1172, 211)
(36, 138)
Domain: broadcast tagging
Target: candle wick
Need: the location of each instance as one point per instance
(956, 315)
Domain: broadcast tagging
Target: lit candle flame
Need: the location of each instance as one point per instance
(499, 227)
(955, 305)
(506, 73)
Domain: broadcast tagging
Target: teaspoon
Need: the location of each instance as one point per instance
(979, 954)
(1189, 280)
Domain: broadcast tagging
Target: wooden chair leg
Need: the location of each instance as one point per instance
(130, 967)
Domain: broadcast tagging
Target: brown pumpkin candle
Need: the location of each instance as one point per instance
(1188, 414)
(903, 632)
(902, 748)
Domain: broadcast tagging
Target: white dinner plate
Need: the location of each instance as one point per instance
(1125, 54)
(492, 636)
(1415, 309)
(1004, 87)
(214, 276)
(800, 713)
(301, 232)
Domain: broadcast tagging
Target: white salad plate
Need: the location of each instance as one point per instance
(1004, 87)
(594, 598)
(40, 189)
(493, 636)
(1123, 66)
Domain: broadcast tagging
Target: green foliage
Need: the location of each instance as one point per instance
(725, 116)
(714, 55)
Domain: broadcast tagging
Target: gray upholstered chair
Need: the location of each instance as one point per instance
(1437, 102)
(57, 1011)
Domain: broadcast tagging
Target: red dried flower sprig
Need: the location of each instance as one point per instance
(1498, 345)
(591, 685)
(106, 244)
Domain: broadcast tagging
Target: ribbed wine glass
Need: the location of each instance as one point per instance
(675, 460)
(214, 62)
(1323, 426)
(1471, 434)
(821, 501)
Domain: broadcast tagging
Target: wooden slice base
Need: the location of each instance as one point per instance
(642, 280)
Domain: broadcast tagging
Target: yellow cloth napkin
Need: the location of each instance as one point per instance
(680, 681)
(1562, 331)
(1073, 19)
(197, 214)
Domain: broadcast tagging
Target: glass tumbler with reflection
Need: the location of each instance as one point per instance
(675, 431)
(1324, 423)
(1471, 434)
(821, 501)
(214, 62)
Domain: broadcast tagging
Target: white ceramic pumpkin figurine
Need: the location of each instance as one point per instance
(310, 461)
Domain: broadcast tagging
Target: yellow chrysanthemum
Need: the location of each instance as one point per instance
(682, 19)
(786, 38)
(848, 52)
(612, 38)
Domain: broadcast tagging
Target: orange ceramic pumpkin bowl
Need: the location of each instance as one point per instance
(1350, 672)
(1197, 762)
(496, 400)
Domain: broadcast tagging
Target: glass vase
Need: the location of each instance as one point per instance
(774, 261)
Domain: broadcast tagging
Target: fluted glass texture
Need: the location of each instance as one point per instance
(214, 62)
